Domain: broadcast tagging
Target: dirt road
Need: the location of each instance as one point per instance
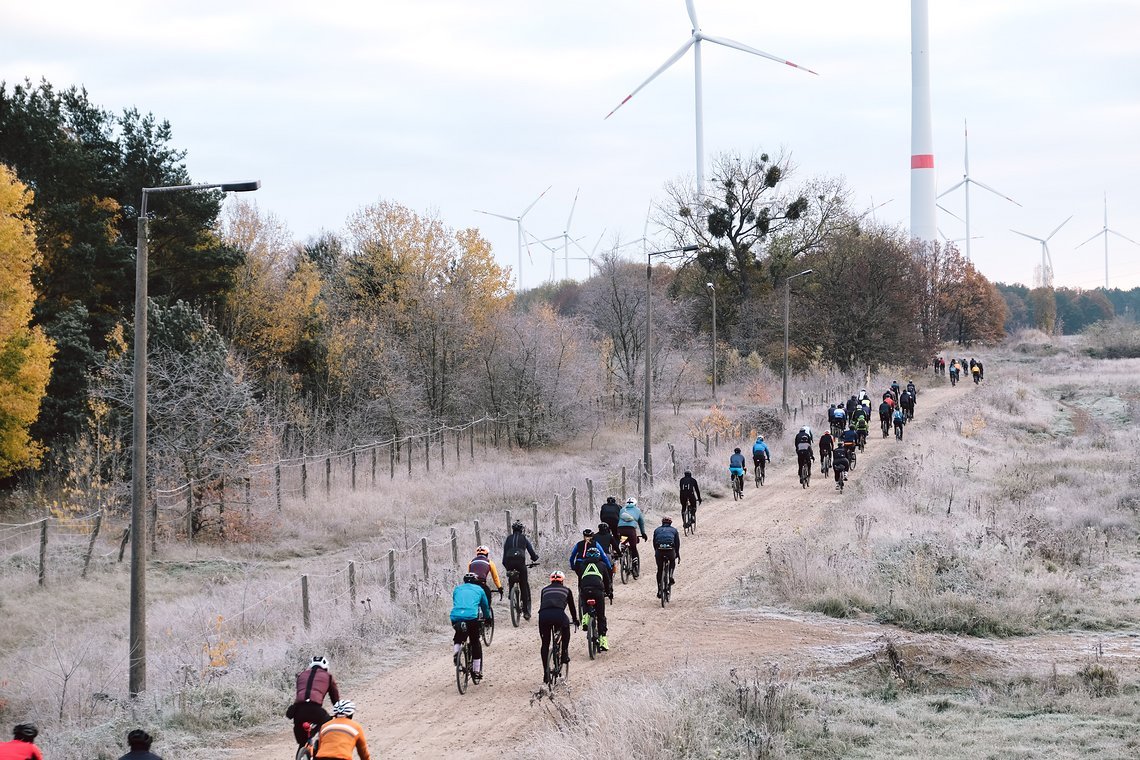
(413, 710)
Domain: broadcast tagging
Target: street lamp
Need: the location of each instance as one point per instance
(647, 457)
(712, 289)
(787, 296)
(137, 638)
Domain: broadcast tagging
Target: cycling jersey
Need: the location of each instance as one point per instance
(339, 737)
(760, 451)
(826, 443)
(556, 598)
(19, 750)
(578, 553)
(630, 517)
(689, 487)
(666, 536)
(736, 460)
(484, 566)
(467, 601)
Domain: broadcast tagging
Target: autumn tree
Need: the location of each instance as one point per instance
(25, 352)
(974, 310)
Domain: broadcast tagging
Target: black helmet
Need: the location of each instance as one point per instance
(603, 528)
(611, 500)
(587, 532)
(688, 473)
(517, 526)
(736, 451)
(25, 732)
(139, 739)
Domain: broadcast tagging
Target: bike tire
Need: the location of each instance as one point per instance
(516, 605)
(487, 630)
(592, 638)
(635, 568)
(554, 660)
(463, 668)
(623, 566)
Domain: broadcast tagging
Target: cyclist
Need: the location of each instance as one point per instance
(885, 413)
(608, 541)
(578, 553)
(313, 683)
(23, 744)
(804, 453)
(468, 600)
(826, 445)
(139, 742)
(611, 512)
(975, 371)
(553, 603)
(861, 430)
(736, 468)
(840, 465)
(831, 416)
(667, 548)
(691, 493)
(838, 420)
(341, 735)
(862, 395)
(911, 389)
(895, 390)
(630, 523)
(596, 581)
(860, 411)
(899, 419)
(906, 403)
(851, 404)
(760, 454)
(848, 440)
(981, 371)
(483, 566)
(955, 371)
(889, 399)
(515, 549)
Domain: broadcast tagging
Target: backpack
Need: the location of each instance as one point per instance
(627, 516)
(515, 547)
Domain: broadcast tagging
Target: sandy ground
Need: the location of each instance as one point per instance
(413, 710)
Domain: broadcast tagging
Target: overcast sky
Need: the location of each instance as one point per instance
(454, 105)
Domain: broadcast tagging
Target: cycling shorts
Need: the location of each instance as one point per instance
(736, 471)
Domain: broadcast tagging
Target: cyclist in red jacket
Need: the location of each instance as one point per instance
(22, 746)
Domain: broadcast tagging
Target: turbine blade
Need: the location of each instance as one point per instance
(594, 250)
(543, 243)
(1048, 256)
(536, 200)
(951, 213)
(692, 14)
(1094, 237)
(501, 216)
(572, 206)
(1059, 226)
(1130, 240)
(529, 256)
(1039, 240)
(668, 62)
(745, 48)
(984, 186)
(952, 189)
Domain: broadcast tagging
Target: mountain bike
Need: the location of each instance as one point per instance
(861, 439)
(898, 432)
(514, 593)
(852, 453)
(953, 379)
(558, 668)
(885, 424)
(625, 564)
(591, 627)
(487, 629)
(805, 474)
(825, 462)
(689, 518)
(664, 588)
(462, 659)
(308, 750)
(737, 486)
(839, 483)
(758, 471)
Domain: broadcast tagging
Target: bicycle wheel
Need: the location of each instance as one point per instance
(487, 629)
(735, 490)
(592, 637)
(756, 475)
(623, 565)
(635, 568)
(516, 604)
(554, 660)
(463, 668)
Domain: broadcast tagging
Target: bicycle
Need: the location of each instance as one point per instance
(689, 518)
(487, 628)
(664, 588)
(839, 483)
(885, 424)
(514, 593)
(554, 658)
(737, 487)
(805, 475)
(898, 432)
(591, 628)
(852, 453)
(953, 379)
(625, 568)
(758, 471)
(308, 750)
(462, 659)
(861, 440)
(825, 462)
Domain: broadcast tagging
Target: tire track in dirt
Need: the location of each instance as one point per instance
(414, 710)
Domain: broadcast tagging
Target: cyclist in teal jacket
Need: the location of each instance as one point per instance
(630, 524)
(468, 600)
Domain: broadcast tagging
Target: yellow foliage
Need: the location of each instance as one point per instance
(974, 426)
(219, 650)
(25, 352)
(715, 421)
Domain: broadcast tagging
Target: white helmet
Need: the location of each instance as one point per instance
(631, 501)
(345, 708)
(319, 661)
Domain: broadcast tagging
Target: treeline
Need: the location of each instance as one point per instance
(262, 346)
(1065, 311)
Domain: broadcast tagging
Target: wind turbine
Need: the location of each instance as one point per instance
(1046, 258)
(518, 221)
(565, 238)
(694, 42)
(593, 252)
(967, 180)
(949, 240)
(1104, 231)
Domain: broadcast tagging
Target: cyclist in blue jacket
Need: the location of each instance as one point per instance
(578, 553)
(760, 454)
(630, 524)
(468, 601)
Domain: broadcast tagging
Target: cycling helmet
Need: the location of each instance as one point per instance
(736, 451)
(602, 528)
(470, 578)
(25, 732)
(759, 439)
(557, 576)
(587, 532)
(482, 551)
(139, 739)
(666, 520)
(319, 661)
(345, 708)
(517, 526)
(688, 473)
(593, 553)
(631, 501)
(803, 429)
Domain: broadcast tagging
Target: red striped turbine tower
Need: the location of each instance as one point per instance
(923, 225)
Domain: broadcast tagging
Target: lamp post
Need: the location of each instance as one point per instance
(647, 454)
(712, 289)
(787, 298)
(137, 636)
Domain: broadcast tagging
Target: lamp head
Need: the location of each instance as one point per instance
(241, 187)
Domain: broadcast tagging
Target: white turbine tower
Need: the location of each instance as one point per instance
(566, 241)
(1105, 231)
(923, 225)
(967, 180)
(1046, 280)
(518, 222)
(694, 42)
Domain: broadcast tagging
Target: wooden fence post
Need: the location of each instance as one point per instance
(328, 475)
(354, 469)
(673, 459)
(248, 495)
(508, 521)
(694, 447)
(190, 512)
(423, 548)
(639, 469)
(442, 449)
(277, 484)
(373, 466)
(352, 585)
(152, 525)
(471, 440)
(408, 450)
(623, 484)
(43, 550)
(454, 548)
(478, 534)
(392, 574)
(392, 458)
(427, 451)
(557, 522)
(304, 478)
(590, 495)
(716, 440)
(534, 514)
(91, 542)
(574, 508)
(305, 601)
(706, 444)
(222, 506)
